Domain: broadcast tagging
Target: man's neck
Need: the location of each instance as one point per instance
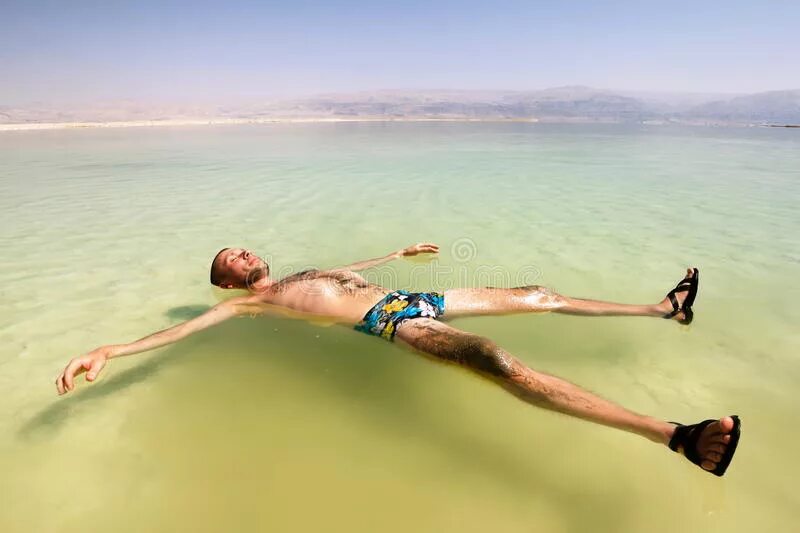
(260, 286)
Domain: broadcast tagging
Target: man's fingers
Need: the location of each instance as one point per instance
(73, 368)
(427, 247)
(421, 248)
(60, 383)
(95, 368)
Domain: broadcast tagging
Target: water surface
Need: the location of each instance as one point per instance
(269, 424)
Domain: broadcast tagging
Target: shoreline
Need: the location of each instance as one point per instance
(32, 126)
(177, 122)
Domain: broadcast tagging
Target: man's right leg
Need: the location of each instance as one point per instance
(483, 356)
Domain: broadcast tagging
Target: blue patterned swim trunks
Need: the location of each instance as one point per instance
(397, 307)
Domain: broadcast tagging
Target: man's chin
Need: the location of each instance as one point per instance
(254, 275)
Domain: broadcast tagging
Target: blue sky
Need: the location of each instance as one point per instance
(65, 51)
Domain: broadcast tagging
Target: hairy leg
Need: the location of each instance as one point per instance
(536, 299)
(479, 354)
(483, 356)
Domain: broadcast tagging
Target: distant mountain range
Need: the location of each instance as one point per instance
(559, 104)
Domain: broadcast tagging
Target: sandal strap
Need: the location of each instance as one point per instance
(675, 307)
(686, 437)
(693, 291)
(681, 287)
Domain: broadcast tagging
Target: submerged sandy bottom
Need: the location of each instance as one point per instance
(287, 426)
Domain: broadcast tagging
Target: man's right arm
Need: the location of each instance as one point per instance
(93, 362)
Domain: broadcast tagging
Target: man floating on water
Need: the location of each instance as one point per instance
(415, 319)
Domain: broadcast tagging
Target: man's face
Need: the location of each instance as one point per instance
(237, 265)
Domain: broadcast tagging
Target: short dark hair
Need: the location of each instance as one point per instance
(215, 275)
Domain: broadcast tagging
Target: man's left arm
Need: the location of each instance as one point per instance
(414, 249)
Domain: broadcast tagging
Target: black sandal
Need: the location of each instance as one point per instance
(685, 285)
(686, 437)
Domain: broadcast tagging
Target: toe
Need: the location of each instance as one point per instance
(719, 430)
(717, 447)
(726, 425)
(713, 456)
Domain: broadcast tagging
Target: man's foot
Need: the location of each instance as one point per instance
(677, 304)
(709, 444)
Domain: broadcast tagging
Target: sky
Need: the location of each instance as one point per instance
(166, 51)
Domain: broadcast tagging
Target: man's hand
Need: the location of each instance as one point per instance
(91, 363)
(421, 248)
(414, 249)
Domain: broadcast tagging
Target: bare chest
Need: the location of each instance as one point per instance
(334, 293)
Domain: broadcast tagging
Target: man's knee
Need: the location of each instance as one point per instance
(480, 353)
(542, 296)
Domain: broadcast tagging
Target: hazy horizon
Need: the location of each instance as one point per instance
(197, 52)
(236, 100)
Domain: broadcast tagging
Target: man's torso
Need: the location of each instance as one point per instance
(340, 295)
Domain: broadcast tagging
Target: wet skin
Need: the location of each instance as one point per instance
(342, 295)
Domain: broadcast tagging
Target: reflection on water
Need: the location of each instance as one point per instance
(276, 424)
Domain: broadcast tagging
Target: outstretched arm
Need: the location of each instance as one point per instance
(93, 362)
(414, 249)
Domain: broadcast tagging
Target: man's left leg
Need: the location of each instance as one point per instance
(538, 299)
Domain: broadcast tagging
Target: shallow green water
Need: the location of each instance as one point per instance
(276, 425)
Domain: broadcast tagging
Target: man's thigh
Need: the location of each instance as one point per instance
(446, 343)
(497, 301)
